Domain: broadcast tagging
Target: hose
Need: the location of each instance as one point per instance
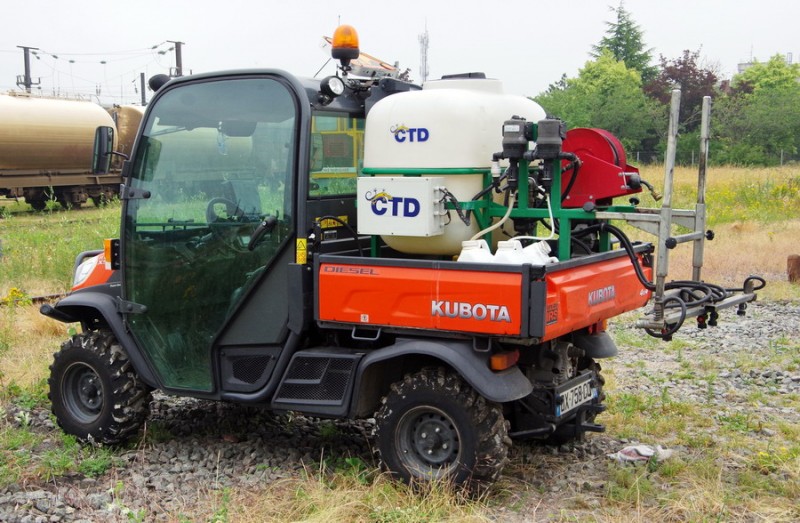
(501, 221)
(575, 165)
(690, 292)
(451, 198)
(353, 233)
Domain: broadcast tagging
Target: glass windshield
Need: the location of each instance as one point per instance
(216, 159)
(337, 152)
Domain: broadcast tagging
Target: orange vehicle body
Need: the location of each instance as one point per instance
(101, 273)
(512, 301)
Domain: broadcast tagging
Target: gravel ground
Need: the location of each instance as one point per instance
(192, 448)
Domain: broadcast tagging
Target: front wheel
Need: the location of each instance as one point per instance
(433, 426)
(94, 391)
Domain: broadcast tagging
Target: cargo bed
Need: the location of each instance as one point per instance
(531, 302)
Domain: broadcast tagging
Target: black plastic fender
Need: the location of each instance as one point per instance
(596, 346)
(501, 387)
(84, 307)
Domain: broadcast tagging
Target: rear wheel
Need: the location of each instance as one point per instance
(94, 391)
(432, 425)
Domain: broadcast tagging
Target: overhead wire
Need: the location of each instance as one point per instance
(62, 70)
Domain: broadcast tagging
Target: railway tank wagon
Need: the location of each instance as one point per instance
(46, 149)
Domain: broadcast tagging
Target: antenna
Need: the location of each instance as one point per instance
(423, 54)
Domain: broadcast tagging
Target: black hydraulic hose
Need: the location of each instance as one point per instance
(494, 185)
(689, 291)
(575, 165)
(673, 328)
(626, 244)
(762, 283)
(692, 292)
(450, 197)
(349, 228)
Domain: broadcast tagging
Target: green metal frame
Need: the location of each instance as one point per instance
(485, 210)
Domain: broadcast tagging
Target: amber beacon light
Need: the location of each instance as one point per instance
(345, 44)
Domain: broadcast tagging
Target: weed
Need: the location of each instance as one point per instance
(137, 516)
(16, 298)
(629, 484)
(687, 371)
(97, 463)
(55, 462)
(28, 397)
(155, 432)
(710, 381)
(737, 422)
(328, 430)
(221, 513)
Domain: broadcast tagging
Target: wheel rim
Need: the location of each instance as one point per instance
(83, 392)
(428, 441)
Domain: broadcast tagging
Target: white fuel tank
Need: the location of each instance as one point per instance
(450, 128)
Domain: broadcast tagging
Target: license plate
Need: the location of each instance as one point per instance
(575, 396)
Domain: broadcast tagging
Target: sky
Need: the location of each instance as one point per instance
(526, 44)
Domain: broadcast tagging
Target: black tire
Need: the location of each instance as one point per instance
(432, 425)
(566, 434)
(94, 391)
(100, 200)
(38, 205)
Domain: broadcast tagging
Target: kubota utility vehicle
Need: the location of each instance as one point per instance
(439, 258)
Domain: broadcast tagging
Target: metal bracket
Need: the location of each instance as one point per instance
(129, 193)
(129, 307)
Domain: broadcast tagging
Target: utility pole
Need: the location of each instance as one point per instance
(178, 57)
(26, 81)
(142, 88)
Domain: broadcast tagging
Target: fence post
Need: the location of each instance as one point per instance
(793, 268)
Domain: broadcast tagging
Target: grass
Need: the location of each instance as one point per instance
(324, 497)
(753, 212)
(727, 468)
(738, 458)
(38, 249)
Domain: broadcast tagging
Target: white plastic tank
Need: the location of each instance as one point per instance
(538, 254)
(509, 252)
(475, 251)
(454, 125)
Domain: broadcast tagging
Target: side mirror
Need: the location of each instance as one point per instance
(103, 149)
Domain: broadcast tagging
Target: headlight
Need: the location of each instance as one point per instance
(84, 270)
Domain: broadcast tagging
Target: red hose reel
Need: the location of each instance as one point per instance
(604, 172)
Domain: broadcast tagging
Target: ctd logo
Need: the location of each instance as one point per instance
(382, 202)
(411, 134)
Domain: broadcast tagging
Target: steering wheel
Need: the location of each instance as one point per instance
(232, 209)
(228, 229)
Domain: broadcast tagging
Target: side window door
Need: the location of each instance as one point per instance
(216, 159)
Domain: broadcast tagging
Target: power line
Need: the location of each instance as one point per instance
(60, 65)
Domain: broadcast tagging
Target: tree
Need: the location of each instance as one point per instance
(694, 81)
(624, 40)
(773, 74)
(760, 119)
(606, 94)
